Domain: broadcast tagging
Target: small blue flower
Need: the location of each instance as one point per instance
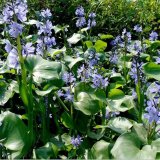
(7, 14)
(49, 42)
(46, 13)
(138, 28)
(83, 73)
(28, 49)
(21, 11)
(116, 41)
(158, 60)
(45, 28)
(153, 36)
(8, 46)
(68, 78)
(60, 93)
(110, 114)
(113, 58)
(76, 141)
(126, 35)
(153, 114)
(13, 59)
(15, 29)
(98, 81)
(68, 96)
(91, 23)
(80, 11)
(92, 15)
(81, 22)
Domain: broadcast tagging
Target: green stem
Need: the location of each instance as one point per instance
(124, 64)
(61, 102)
(28, 92)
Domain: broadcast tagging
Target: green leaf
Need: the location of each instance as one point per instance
(76, 37)
(71, 62)
(66, 120)
(7, 91)
(54, 52)
(14, 135)
(49, 87)
(120, 124)
(141, 132)
(49, 151)
(41, 68)
(128, 146)
(97, 94)
(98, 134)
(86, 104)
(100, 46)
(152, 70)
(116, 94)
(151, 94)
(89, 44)
(122, 105)
(105, 36)
(100, 150)
(156, 145)
(57, 28)
(31, 22)
(155, 45)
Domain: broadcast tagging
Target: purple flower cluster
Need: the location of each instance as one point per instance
(153, 113)
(113, 58)
(68, 78)
(67, 95)
(81, 21)
(76, 141)
(153, 36)
(98, 81)
(116, 41)
(126, 35)
(91, 20)
(136, 70)
(83, 73)
(13, 54)
(45, 41)
(152, 110)
(138, 28)
(110, 114)
(18, 10)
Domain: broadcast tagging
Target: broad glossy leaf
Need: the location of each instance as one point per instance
(66, 120)
(89, 44)
(128, 146)
(122, 105)
(41, 68)
(14, 135)
(49, 151)
(100, 150)
(140, 131)
(76, 37)
(105, 36)
(86, 104)
(97, 94)
(54, 52)
(7, 91)
(100, 45)
(120, 124)
(72, 61)
(152, 70)
(116, 94)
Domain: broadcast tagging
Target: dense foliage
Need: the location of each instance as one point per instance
(86, 89)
